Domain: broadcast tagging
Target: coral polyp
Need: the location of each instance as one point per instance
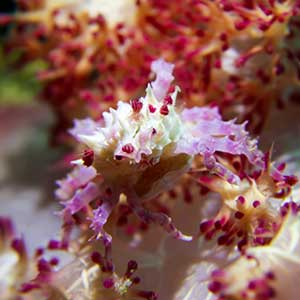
(262, 270)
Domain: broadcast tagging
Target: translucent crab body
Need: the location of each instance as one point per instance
(143, 147)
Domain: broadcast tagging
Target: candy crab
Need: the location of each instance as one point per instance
(143, 148)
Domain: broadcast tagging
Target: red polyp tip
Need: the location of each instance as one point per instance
(148, 295)
(209, 235)
(218, 224)
(248, 4)
(168, 100)
(136, 280)
(264, 26)
(205, 226)
(109, 98)
(136, 105)
(19, 246)
(215, 286)
(39, 251)
(281, 18)
(88, 157)
(223, 239)
(97, 258)
(108, 283)
(54, 261)
(239, 215)
(132, 265)
(171, 89)
(128, 148)
(54, 245)
(291, 180)
(252, 285)
(223, 36)
(281, 167)
(240, 62)
(270, 275)
(256, 203)
(265, 10)
(241, 199)
(218, 64)
(131, 268)
(44, 266)
(240, 25)
(152, 109)
(227, 6)
(164, 110)
(87, 95)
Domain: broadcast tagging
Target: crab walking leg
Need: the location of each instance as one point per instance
(212, 165)
(101, 215)
(161, 219)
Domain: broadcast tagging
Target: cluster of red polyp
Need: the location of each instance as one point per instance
(121, 286)
(239, 54)
(246, 217)
(89, 68)
(16, 267)
(256, 274)
(25, 277)
(258, 288)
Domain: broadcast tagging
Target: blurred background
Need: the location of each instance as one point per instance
(28, 166)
